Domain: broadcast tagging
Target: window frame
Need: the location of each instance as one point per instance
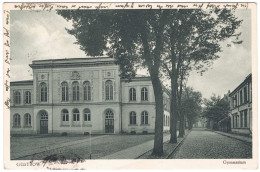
(64, 91)
(16, 120)
(75, 91)
(144, 118)
(43, 92)
(109, 90)
(132, 94)
(17, 97)
(87, 114)
(76, 115)
(27, 120)
(132, 118)
(87, 90)
(144, 94)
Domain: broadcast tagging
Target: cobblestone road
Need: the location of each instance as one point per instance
(203, 144)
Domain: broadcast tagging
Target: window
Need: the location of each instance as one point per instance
(43, 88)
(164, 120)
(65, 115)
(144, 94)
(87, 115)
(233, 118)
(109, 114)
(109, 90)
(17, 120)
(17, 97)
(87, 90)
(27, 120)
(241, 119)
(144, 117)
(245, 118)
(132, 94)
(132, 118)
(64, 91)
(75, 115)
(27, 97)
(75, 86)
(245, 94)
(241, 98)
(235, 101)
(44, 115)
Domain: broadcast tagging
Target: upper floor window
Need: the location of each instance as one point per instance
(17, 97)
(109, 90)
(64, 91)
(17, 120)
(28, 97)
(75, 87)
(132, 118)
(43, 87)
(76, 115)
(144, 93)
(241, 97)
(65, 115)
(27, 120)
(132, 94)
(87, 90)
(87, 115)
(144, 117)
(245, 94)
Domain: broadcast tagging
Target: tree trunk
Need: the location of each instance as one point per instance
(173, 110)
(181, 127)
(158, 94)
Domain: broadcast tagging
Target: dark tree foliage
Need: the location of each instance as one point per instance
(133, 38)
(191, 106)
(193, 44)
(216, 109)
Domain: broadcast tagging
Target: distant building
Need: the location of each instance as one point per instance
(241, 107)
(83, 95)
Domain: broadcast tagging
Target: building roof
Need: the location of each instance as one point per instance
(246, 80)
(21, 83)
(72, 62)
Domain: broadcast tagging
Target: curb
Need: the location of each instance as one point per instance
(178, 145)
(247, 142)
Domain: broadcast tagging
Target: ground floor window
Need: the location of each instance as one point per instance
(144, 117)
(87, 115)
(132, 118)
(65, 115)
(76, 115)
(17, 120)
(27, 120)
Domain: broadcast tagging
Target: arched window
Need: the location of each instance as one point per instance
(43, 87)
(144, 94)
(65, 115)
(144, 117)
(76, 115)
(17, 97)
(132, 94)
(17, 120)
(28, 97)
(87, 115)
(87, 90)
(64, 91)
(27, 120)
(44, 115)
(109, 90)
(75, 86)
(109, 114)
(132, 118)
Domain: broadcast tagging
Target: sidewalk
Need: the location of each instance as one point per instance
(135, 151)
(235, 136)
(28, 152)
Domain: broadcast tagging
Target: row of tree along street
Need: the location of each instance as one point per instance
(169, 43)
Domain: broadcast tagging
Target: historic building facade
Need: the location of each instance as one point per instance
(241, 107)
(82, 95)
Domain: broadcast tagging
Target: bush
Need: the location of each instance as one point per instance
(132, 132)
(86, 133)
(64, 134)
(145, 132)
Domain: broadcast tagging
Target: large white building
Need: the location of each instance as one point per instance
(83, 95)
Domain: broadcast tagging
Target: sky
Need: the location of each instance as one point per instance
(37, 35)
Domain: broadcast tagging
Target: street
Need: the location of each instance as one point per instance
(204, 144)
